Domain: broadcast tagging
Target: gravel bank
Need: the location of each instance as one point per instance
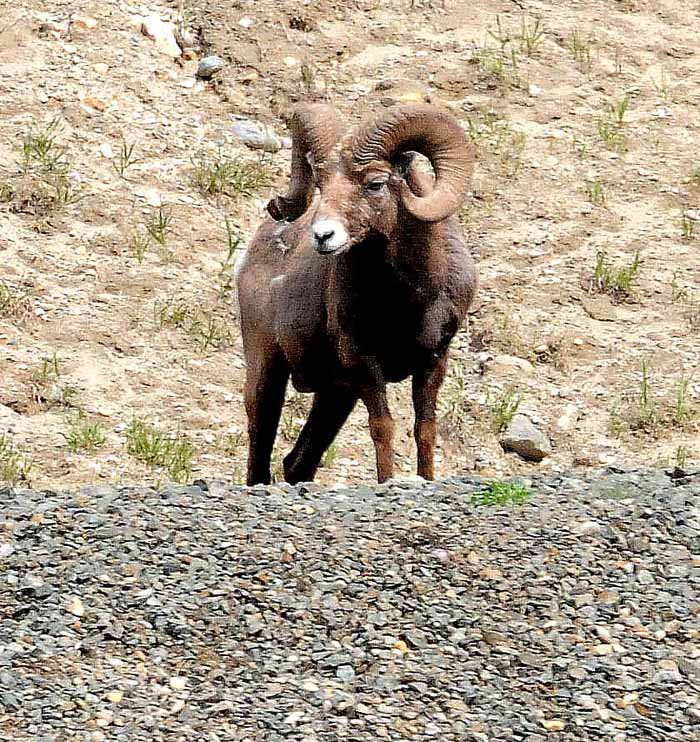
(401, 612)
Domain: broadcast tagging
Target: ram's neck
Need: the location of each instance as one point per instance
(419, 247)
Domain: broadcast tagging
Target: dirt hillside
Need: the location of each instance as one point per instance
(126, 194)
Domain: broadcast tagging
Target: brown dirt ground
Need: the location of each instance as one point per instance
(536, 122)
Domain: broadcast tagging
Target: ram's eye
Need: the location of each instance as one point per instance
(375, 185)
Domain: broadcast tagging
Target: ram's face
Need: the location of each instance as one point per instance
(352, 205)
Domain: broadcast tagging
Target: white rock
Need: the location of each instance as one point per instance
(163, 34)
(568, 418)
(533, 90)
(505, 364)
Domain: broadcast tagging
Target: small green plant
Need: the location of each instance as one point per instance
(85, 435)
(682, 412)
(308, 78)
(647, 411)
(201, 325)
(619, 109)
(139, 245)
(125, 158)
(41, 151)
(681, 457)
(158, 449)
(688, 225)
(232, 443)
(159, 226)
(612, 135)
(226, 272)
(47, 389)
(694, 177)
(15, 303)
(503, 409)
(209, 332)
(329, 456)
(615, 281)
(453, 401)
(230, 176)
(49, 370)
(502, 493)
(611, 126)
(14, 467)
(45, 184)
(581, 49)
(500, 35)
(595, 192)
(294, 413)
(531, 36)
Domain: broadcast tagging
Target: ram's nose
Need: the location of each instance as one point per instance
(329, 236)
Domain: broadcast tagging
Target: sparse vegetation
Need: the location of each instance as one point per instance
(498, 494)
(230, 176)
(647, 412)
(15, 303)
(531, 36)
(85, 435)
(45, 183)
(329, 457)
(503, 408)
(14, 467)
(294, 413)
(681, 457)
(202, 325)
(616, 281)
(491, 134)
(688, 225)
(581, 50)
(453, 399)
(125, 158)
(233, 246)
(47, 388)
(595, 192)
(611, 125)
(159, 226)
(139, 245)
(160, 450)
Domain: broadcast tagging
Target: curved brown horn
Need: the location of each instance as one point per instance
(315, 129)
(435, 134)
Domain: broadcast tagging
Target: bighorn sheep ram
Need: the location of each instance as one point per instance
(359, 278)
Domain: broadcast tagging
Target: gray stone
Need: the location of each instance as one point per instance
(256, 136)
(522, 437)
(209, 66)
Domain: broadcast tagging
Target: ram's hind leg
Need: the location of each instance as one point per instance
(330, 410)
(426, 385)
(265, 385)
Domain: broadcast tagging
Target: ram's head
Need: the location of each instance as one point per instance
(365, 183)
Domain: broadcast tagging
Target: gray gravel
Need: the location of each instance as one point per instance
(400, 612)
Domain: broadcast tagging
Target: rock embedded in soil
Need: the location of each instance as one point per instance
(209, 66)
(524, 438)
(256, 136)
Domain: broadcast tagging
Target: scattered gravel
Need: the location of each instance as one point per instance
(398, 612)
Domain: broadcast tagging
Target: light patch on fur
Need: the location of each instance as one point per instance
(238, 265)
(339, 235)
(278, 279)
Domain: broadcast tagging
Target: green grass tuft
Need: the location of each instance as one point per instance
(502, 493)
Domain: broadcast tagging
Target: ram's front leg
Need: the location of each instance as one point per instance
(381, 428)
(426, 385)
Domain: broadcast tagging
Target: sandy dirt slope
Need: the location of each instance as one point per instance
(586, 131)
